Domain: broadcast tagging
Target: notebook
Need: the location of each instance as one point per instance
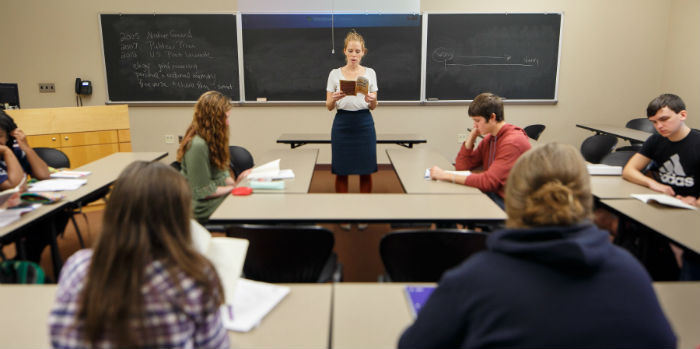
(417, 296)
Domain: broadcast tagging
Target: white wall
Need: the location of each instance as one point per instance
(616, 56)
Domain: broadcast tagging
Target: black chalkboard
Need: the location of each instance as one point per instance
(173, 57)
(287, 57)
(512, 55)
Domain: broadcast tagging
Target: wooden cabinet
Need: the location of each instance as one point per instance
(84, 134)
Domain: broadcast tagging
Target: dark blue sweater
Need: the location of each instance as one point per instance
(544, 287)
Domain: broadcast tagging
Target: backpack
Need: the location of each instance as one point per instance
(21, 272)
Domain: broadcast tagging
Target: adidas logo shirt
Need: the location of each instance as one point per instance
(676, 164)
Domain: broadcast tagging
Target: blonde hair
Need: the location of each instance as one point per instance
(209, 122)
(355, 36)
(549, 185)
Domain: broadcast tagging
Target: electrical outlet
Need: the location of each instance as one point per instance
(47, 87)
(170, 139)
(461, 138)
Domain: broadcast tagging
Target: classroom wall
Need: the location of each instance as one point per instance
(615, 57)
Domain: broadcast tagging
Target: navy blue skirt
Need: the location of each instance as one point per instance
(353, 143)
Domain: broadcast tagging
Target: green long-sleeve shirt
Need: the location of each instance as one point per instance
(203, 178)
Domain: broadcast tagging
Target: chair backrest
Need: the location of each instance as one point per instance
(534, 131)
(618, 158)
(176, 165)
(642, 124)
(423, 255)
(279, 253)
(595, 147)
(241, 159)
(53, 157)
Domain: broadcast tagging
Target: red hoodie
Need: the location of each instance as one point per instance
(496, 155)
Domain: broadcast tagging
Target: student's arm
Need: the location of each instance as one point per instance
(633, 173)
(495, 176)
(39, 168)
(15, 173)
(199, 174)
(469, 158)
(439, 174)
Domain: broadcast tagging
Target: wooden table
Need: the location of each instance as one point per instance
(374, 315)
(298, 139)
(302, 162)
(410, 165)
(368, 208)
(625, 133)
(678, 224)
(300, 320)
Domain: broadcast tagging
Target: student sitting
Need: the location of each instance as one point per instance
(675, 170)
(204, 154)
(503, 143)
(143, 285)
(551, 279)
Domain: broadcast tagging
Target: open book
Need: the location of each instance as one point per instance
(227, 255)
(352, 87)
(270, 171)
(663, 199)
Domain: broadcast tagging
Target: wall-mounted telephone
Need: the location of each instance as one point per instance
(83, 87)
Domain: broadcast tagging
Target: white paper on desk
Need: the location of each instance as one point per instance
(69, 174)
(57, 184)
(603, 170)
(271, 171)
(252, 301)
(226, 254)
(9, 216)
(663, 199)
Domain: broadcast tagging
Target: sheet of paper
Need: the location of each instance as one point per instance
(663, 199)
(603, 170)
(252, 301)
(267, 170)
(8, 216)
(57, 184)
(70, 174)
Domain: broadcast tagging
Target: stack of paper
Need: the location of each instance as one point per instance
(663, 199)
(271, 171)
(252, 301)
(57, 184)
(8, 216)
(604, 170)
(70, 174)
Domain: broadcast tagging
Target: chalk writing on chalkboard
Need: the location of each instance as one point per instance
(169, 57)
(450, 60)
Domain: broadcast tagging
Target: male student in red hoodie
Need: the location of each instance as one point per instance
(496, 154)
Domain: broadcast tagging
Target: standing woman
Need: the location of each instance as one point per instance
(204, 155)
(143, 285)
(353, 139)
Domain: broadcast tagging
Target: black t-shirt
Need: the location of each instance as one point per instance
(676, 164)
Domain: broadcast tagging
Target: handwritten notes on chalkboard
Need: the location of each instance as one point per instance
(169, 57)
(287, 57)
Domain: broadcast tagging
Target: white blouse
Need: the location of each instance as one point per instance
(351, 103)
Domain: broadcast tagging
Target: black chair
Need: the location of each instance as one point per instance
(241, 159)
(53, 157)
(423, 255)
(534, 131)
(595, 147)
(176, 165)
(617, 158)
(642, 124)
(288, 253)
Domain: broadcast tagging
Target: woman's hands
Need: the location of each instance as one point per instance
(371, 99)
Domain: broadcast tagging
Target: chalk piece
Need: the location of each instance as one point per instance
(262, 99)
(432, 99)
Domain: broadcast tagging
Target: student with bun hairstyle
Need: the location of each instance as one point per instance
(550, 279)
(204, 154)
(143, 284)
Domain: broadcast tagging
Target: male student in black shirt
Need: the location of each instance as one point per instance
(674, 154)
